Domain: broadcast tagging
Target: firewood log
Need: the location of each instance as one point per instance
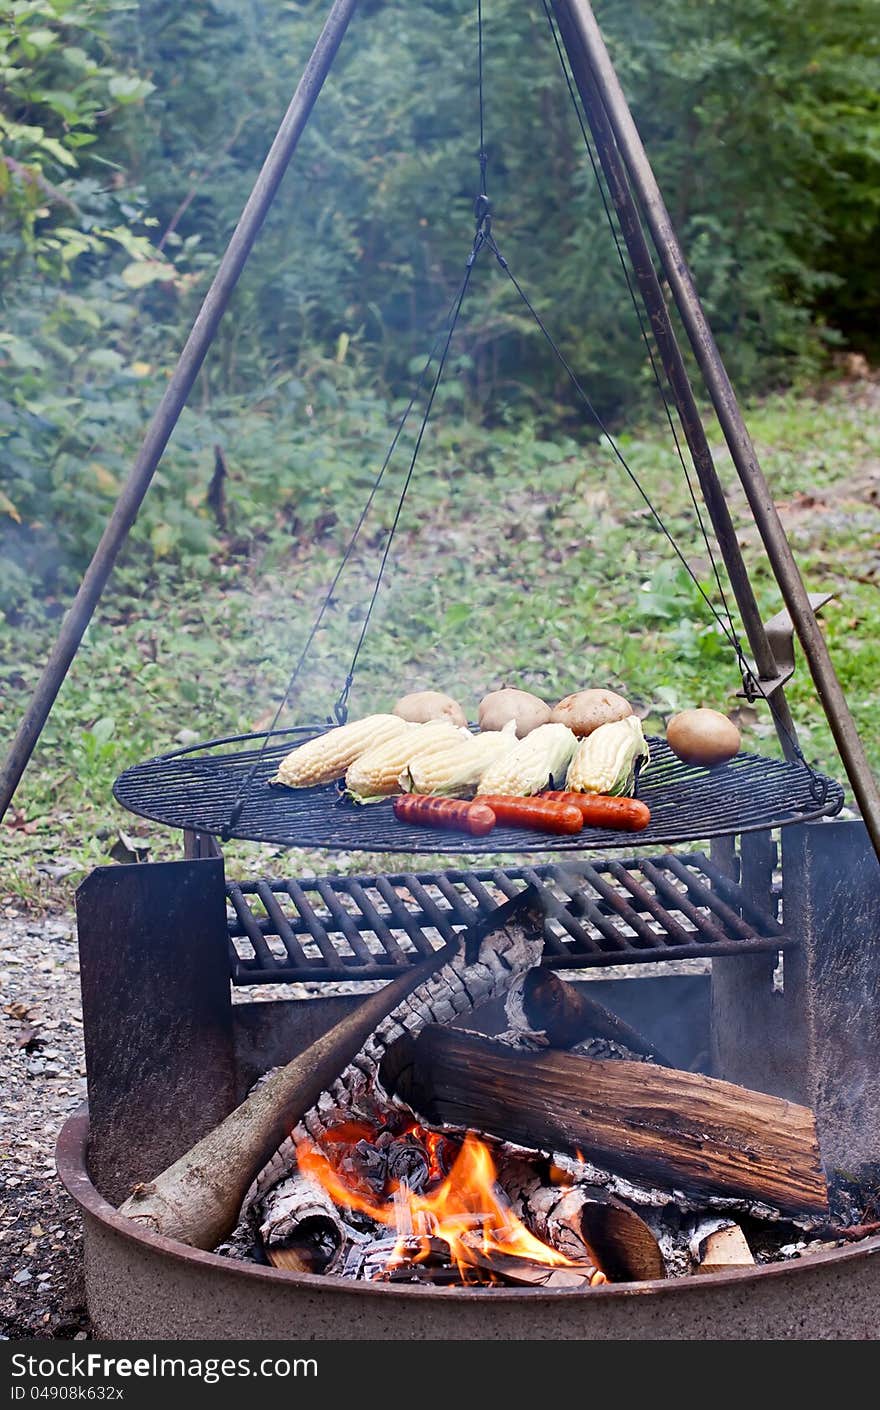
(691, 1132)
(302, 1211)
(541, 1001)
(582, 1221)
(522, 1272)
(721, 1249)
(197, 1199)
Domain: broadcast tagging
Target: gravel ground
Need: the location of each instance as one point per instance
(42, 1077)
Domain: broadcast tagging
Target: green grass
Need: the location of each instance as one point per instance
(521, 560)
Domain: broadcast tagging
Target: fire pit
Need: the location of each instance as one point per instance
(143, 1286)
(169, 1055)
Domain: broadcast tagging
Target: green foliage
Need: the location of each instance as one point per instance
(130, 134)
(75, 249)
(60, 89)
(519, 559)
(129, 138)
(761, 119)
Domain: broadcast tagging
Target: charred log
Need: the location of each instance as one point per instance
(523, 1272)
(541, 1001)
(303, 1227)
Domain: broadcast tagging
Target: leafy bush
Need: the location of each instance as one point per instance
(129, 138)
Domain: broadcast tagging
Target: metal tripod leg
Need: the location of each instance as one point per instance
(582, 20)
(174, 400)
(676, 372)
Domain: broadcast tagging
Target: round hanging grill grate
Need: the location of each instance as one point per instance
(196, 788)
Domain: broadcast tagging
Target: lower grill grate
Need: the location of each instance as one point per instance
(600, 913)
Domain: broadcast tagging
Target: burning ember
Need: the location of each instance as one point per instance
(450, 1220)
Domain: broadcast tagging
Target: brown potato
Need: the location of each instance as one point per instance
(424, 705)
(702, 737)
(500, 706)
(589, 709)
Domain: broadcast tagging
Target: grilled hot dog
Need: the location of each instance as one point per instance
(602, 810)
(543, 814)
(427, 811)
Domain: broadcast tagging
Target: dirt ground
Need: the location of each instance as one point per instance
(42, 1077)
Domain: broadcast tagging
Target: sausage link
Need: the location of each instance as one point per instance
(603, 810)
(421, 808)
(541, 814)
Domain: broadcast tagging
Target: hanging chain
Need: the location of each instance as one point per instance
(724, 625)
(482, 207)
(442, 337)
(745, 671)
(482, 235)
(483, 238)
(341, 706)
(752, 686)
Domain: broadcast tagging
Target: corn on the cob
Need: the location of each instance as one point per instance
(328, 756)
(455, 768)
(375, 773)
(544, 754)
(605, 761)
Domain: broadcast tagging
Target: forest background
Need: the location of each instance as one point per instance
(130, 134)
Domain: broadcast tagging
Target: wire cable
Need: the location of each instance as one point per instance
(341, 706)
(751, 681)
(440, 338)
(638, 312)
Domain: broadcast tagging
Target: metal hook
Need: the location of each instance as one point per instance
(340, 709)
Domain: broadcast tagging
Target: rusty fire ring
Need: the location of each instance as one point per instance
(144, 1286)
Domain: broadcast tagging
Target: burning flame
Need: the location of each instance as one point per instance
(466, 1210)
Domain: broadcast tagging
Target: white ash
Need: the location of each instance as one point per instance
(242, 1244)
(515, 1009)
(532, 1041)
(605, 1049)
(801, 1247)
(274, 1170)
(676, 1256)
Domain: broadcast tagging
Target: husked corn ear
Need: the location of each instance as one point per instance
(605, 761)
(323, 759)
(455, 768)
(375, 773)
(532, 764)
